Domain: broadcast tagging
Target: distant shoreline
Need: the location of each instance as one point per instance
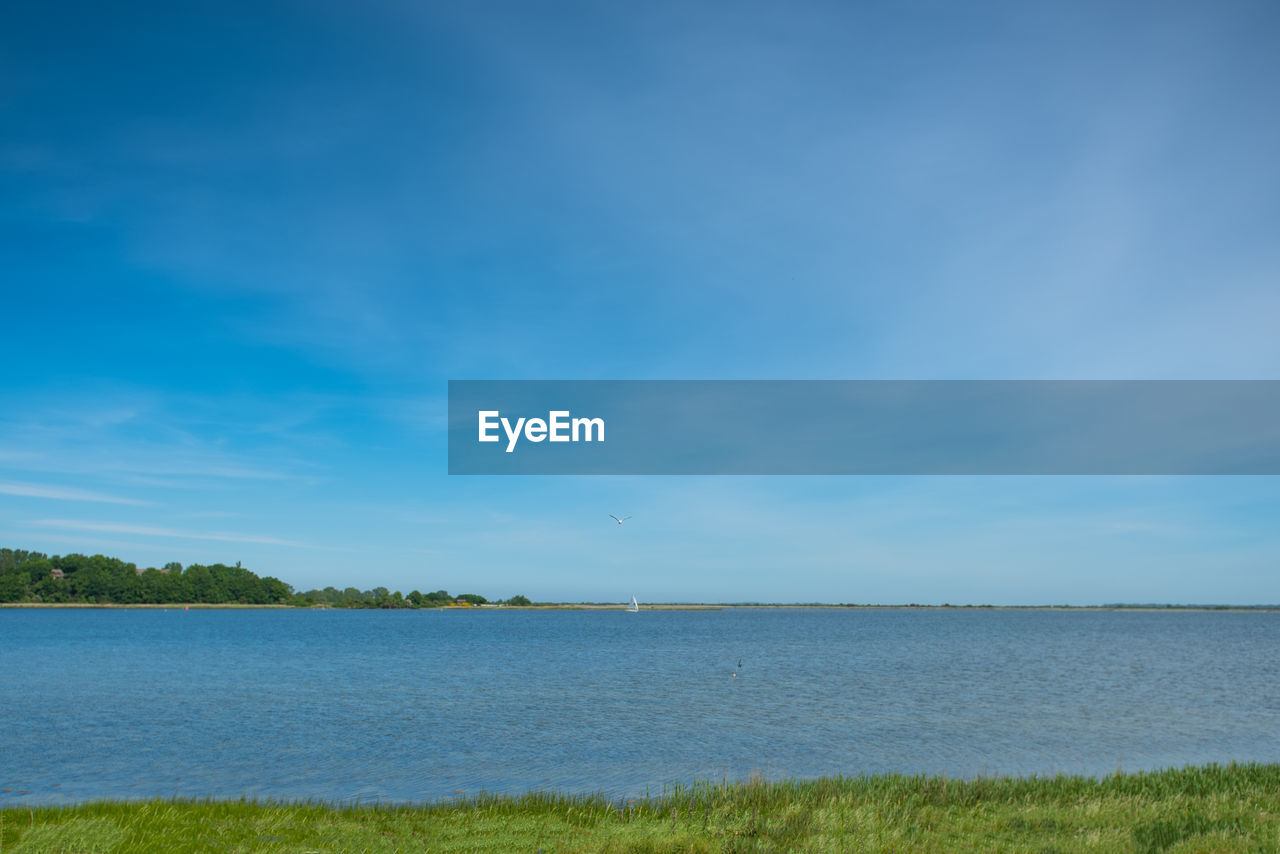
(171, 606)
(657, 606)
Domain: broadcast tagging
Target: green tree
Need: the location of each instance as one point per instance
(10, 558)
(49, 589)
(37, 569)
(274, 590)
(13, 587)
(204, 584)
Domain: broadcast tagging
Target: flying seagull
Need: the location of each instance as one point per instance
(616, 519)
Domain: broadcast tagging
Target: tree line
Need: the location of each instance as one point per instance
(27, 576)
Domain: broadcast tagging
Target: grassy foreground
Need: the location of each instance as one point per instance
(1210, 809)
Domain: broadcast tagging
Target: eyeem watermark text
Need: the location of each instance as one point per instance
(558, 426)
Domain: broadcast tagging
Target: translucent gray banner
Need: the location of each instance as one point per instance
(922, 427)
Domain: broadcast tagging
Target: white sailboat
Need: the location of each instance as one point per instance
(634, 606)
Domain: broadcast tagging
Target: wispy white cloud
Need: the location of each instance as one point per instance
(62, 493)
(171, 441)
(167, 466)
(155, 531)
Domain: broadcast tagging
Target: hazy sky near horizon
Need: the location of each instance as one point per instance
(243, 247)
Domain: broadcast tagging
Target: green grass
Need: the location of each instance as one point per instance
(1207, 809)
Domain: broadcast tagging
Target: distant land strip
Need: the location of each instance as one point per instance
(654, 606)
(75, 580)
(30, 579)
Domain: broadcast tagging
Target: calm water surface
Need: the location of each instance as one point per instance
(424, 705)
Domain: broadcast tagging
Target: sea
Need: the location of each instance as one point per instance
(356, 707)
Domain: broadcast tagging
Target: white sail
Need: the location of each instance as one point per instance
(634, 606)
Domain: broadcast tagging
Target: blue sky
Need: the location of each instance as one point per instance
(244, 246)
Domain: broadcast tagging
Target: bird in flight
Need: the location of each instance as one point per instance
(616, 519)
